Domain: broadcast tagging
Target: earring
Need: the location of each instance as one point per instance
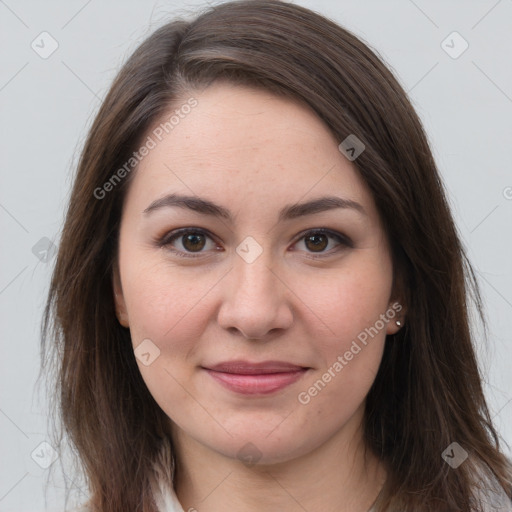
(398, 323)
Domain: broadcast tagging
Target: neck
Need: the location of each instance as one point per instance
(339, 476)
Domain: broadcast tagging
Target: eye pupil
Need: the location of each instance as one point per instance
(191, 241)
(194, 241)
(318, 245)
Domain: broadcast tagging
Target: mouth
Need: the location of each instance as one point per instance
(256, 378)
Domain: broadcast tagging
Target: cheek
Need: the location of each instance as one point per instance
(349, 304)
(349, 336)
(165, 303)
(350, 358)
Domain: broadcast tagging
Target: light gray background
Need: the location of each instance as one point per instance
(47, 105)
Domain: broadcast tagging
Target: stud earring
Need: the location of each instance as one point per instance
(398, 323)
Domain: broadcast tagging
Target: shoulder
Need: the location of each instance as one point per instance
(496, 500)
(491, 494)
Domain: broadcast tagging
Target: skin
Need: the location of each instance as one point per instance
(254, 153)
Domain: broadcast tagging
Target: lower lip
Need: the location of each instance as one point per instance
(260, 384)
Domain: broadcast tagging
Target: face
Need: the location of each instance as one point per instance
(255, 267)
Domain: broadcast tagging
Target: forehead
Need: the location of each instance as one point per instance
(238, 142)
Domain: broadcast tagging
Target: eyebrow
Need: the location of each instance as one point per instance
(289, 212)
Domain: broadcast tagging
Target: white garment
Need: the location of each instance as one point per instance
(167, 501)
(165, 498)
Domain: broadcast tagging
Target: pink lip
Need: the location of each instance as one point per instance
(256, 378)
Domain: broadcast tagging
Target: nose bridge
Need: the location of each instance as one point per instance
(255, 302)
(252, 271)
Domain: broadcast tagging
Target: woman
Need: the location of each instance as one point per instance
(260, 300)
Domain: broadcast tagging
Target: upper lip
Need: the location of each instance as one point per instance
(249, 368)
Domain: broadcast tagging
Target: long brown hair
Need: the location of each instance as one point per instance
(428, 391)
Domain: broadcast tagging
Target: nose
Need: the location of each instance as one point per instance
(256, 299)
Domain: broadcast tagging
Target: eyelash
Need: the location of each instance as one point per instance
(168, 238)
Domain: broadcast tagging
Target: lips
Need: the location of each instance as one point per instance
(248, 368)
(255, 378)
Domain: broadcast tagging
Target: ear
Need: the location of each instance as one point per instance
(121, 313)
(397, 307)
(396, 312)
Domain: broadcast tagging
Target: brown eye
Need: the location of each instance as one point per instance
(188, 242)
(193, 242)
(317, 242)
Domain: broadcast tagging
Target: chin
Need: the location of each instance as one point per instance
(256, 448)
